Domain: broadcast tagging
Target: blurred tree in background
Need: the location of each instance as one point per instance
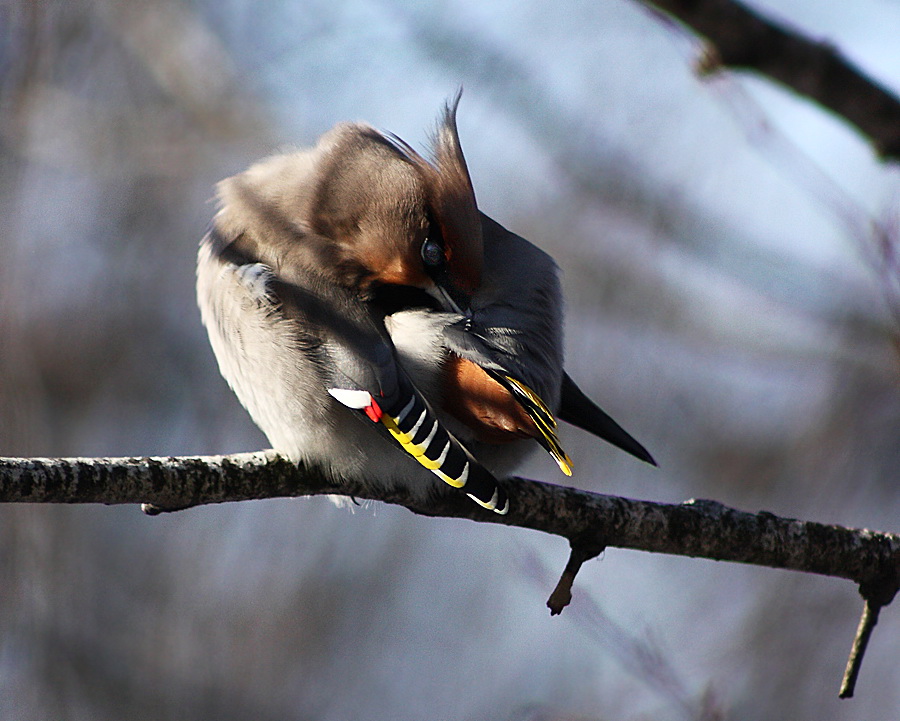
(727, 300)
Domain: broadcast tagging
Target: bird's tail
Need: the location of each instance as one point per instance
(579, 410)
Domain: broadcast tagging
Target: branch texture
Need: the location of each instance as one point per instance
(698, 528)
(741, 38)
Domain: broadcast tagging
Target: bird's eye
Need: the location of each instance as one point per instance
(432, 253)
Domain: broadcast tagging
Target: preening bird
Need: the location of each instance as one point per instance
(374, 322)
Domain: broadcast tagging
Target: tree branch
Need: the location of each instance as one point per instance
(697, 528)
(591, 521)
(742, 38)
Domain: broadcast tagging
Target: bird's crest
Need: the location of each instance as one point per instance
(451, 198)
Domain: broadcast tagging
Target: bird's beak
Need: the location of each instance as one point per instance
(450, 297)
(451, 301)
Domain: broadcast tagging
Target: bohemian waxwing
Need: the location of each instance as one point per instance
(374, 322)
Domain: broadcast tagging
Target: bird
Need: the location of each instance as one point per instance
(375, 322)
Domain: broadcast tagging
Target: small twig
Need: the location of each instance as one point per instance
(583, 549)
(877, 594)
(863, 632)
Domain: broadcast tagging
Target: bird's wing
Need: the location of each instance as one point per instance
(515, 338)
(502, 378)
(357, 366)
(504, 397)
(373, 384)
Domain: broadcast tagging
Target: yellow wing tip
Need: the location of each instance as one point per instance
(554, 447)
(564, 463)
(547, 427)
(534, 397)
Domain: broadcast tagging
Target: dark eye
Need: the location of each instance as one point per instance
(432, 253)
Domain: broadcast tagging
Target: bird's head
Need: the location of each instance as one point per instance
(367, 210)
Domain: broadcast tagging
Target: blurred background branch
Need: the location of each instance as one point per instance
(740, 38)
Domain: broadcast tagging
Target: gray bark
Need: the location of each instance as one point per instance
(697, 528)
